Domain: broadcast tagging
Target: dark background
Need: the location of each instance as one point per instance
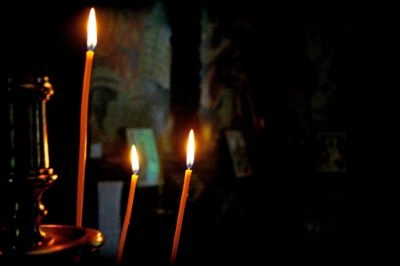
(286, 210)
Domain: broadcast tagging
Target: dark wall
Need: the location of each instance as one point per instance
(286, 57)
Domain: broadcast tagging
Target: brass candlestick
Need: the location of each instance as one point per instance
(25, 174)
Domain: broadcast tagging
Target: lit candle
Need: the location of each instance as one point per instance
(185, 192)
(91, 44)
(135, 169)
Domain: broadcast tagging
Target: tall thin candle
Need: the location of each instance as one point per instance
(184, 195)
(129, 206)
(91, 44)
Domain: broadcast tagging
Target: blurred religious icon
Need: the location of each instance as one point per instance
(238, 152)
(130, 85)
(331, 153)
(215, 110)
(226, 112)
(145, 142)
(223, 84)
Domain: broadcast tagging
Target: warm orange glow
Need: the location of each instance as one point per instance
(92, 30)
(91, 43)
(134, 160)
(129, 205)
(190, 150)
(99, 238)
(184, 195)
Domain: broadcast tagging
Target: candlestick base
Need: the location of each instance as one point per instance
(62, 239)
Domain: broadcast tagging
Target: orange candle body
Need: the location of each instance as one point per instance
(127, 218)
(83, 136)
(185, 193)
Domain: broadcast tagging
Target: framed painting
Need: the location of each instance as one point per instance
(149, 162)
(331, 152)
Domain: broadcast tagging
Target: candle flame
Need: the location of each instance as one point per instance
(91, 30)
(190, 150)
(134, 160)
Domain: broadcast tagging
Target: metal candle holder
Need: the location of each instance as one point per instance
(25, 174)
